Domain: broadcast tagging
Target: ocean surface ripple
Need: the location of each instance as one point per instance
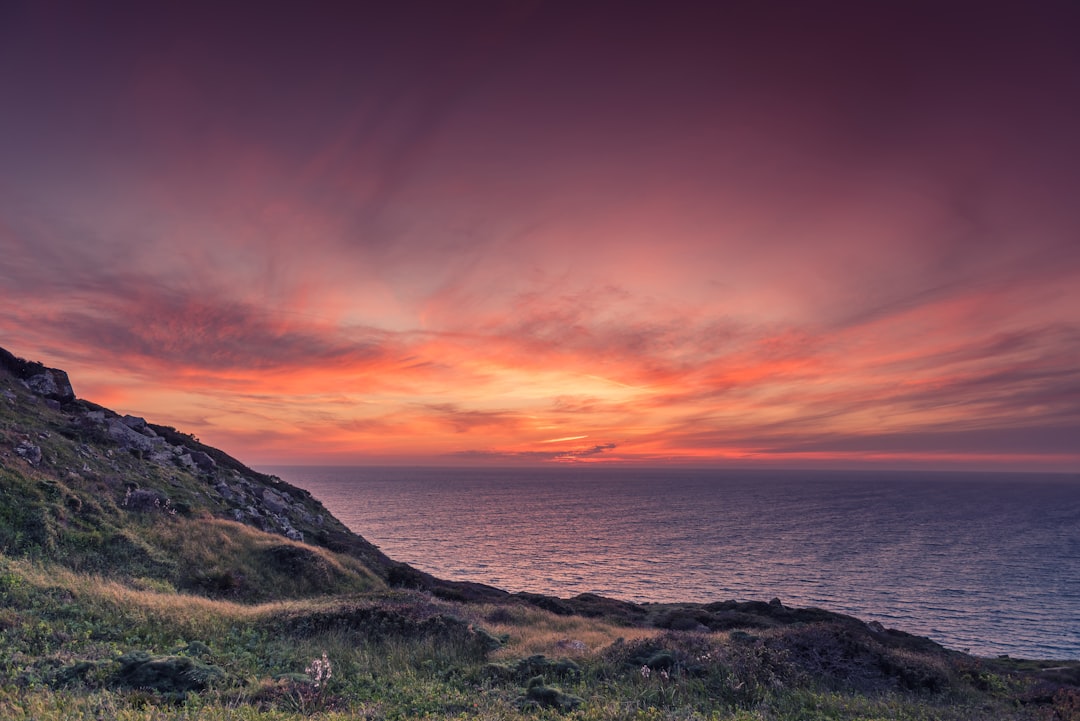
(987, 563)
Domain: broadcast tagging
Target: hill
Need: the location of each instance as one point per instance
(144, 574)
(96, 492)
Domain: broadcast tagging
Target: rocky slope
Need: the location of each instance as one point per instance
(90, 440)
(89, 488)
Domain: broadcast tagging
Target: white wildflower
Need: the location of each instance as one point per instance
(319, 670)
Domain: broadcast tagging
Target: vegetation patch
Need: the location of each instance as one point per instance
(538, 695)
(170, 675)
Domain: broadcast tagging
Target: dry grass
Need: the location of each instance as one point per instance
(529, 631)
(190, 614)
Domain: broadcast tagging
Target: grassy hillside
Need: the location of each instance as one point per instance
(144, 575)
(77, 491)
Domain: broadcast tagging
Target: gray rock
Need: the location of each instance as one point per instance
(52, 383)
(273, 501)
(10, 396)
(128, 438)
(134, 423)
(96, 416)
(30, 452)
(162, 456)
(294, 534)
(203, 461)
(225, 492)
(139, 425)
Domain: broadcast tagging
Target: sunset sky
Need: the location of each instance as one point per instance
(804, 234)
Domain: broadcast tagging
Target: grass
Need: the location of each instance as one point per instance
(528, 631)
(405, 654)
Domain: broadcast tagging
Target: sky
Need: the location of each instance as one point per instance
(828, 234)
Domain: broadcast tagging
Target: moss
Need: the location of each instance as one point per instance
(537, 694)
(171, 675)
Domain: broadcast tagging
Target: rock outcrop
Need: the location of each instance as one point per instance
(49, 383)
(52, 384)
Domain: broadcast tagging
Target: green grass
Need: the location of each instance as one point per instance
(399, 655)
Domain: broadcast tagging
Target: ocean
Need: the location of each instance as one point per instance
(987, 563)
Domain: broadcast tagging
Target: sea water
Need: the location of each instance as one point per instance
(987, 563)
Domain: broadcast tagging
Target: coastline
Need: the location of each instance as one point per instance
(431, 518)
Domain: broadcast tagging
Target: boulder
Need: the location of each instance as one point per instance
(162, 455)
(274, 502)
(224, 491)
(30, 452)
(52, 383)
(138, 424)
(127, 438)
(203, 461)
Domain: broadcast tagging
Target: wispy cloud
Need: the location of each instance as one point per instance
(565, 456)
